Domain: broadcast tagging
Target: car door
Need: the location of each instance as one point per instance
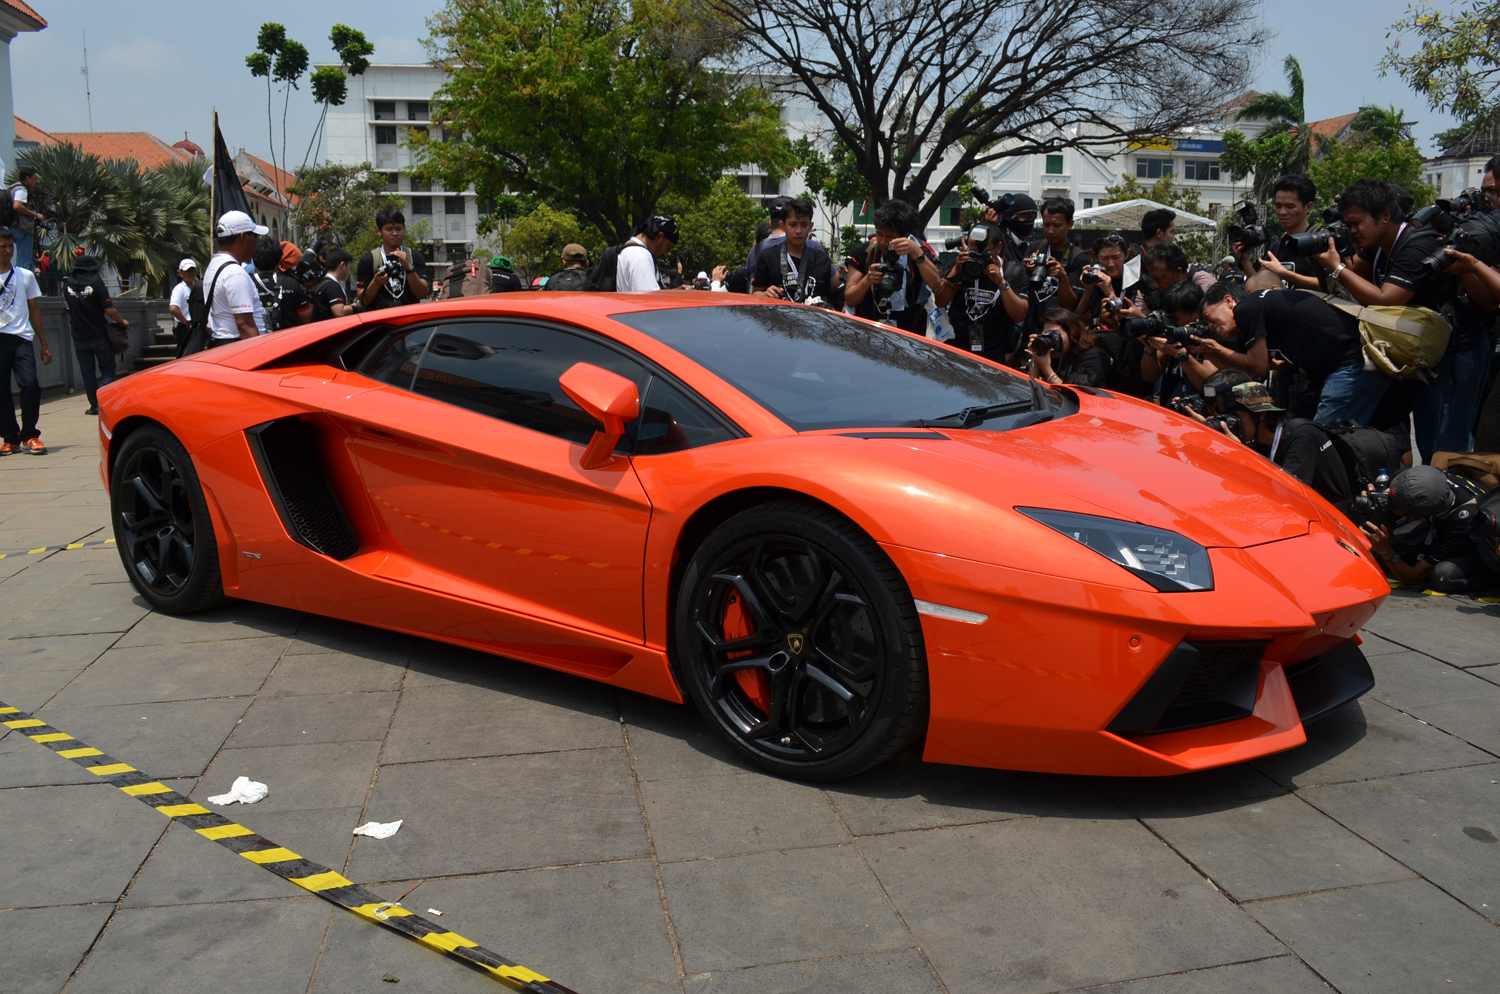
(470, 453)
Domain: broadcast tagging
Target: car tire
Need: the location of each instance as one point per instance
(161, 524)
(797, 637)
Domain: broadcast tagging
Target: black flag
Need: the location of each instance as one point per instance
(228, 194)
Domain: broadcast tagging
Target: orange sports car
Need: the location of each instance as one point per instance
(839, 539)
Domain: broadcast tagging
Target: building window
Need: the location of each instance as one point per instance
(393, 181)
(457, 252)
(385, 110)
(1054, 165)
(416, 110)
(420, 186)
(418, 131)
(1201, 169)
(949, 213)
(1152, 168)
(453, 205)
(421, 205)
(1088, 202)
(385, 135)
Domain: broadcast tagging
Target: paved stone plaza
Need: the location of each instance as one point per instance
(612, 842)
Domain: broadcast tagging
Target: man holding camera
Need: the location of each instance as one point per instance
(983, 306)
(329, 298)
(892, 278)
(1391, 267)
(1437, 538)
(391, 276)
(793, 268)
(1063, 261)
(1293, 197)
(1231, 346)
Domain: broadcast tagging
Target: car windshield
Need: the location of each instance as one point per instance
(819, 369)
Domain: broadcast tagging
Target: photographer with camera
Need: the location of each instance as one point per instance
(1402, 264)
(892, 278)
(983, 306)
(1229, 346)
(1103, 279)
(1166, 264)
(329, 298)
(775, 232)
(793, 268)
(1065, 351)
(1159, 225)
(1063, 261)
(281, 294)
(1293, 197)
(1165, 362)
(1434, 534)
(391, 276)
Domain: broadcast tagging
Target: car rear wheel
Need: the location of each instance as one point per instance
(798, 638)
(161, 524)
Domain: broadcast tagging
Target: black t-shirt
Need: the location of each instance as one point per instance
(812, 272)
(1302, 265)
(289, 293)
(327, 293)
(1305, 451)
(1435, 291)
(1313, 334)
(385, 298)
(504, 282)
(912, 316)
(976, 311)
(86, 298)
(1074, 259)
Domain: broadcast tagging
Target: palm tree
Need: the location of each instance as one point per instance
(1383, 125)
(1287, 113)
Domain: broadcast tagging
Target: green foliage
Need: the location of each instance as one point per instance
(338, 204)
(259, 63)
(1201, 247)
(717, 228)
(291, 63)
(1364, 157)
(1265, 159)
(329, 86)
(1457, 65)
(353, 48)
(535, 240)
(1287, 144)
(598, 107)
(1387, 125)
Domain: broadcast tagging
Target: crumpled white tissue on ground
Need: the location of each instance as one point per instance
(376, 830)
(245, 791)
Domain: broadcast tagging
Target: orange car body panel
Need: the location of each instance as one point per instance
(485, 534)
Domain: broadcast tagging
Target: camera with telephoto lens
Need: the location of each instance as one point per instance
(1249, 232)
(1335, 231)
(1156, 325)
(1044, 342)
(1463, 226)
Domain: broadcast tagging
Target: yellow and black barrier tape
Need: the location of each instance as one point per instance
(56, 548)
(320, 880)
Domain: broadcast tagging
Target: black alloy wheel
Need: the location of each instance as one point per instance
(161, 524)
(799, 639)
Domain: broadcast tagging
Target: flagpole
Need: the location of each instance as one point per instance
(212, 172)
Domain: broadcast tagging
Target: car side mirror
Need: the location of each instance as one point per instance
(607, 397)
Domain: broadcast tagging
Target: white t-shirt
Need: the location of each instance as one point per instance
(18, 195)
(635, 269)
(180, 294)
(233, 294)
(15, 316)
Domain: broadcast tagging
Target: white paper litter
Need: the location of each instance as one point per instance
(244, 791)
(434, 911)
(376, 830)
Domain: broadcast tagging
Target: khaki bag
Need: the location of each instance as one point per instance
(1402, 342)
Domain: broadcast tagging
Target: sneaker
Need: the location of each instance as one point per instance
(34, 446)
(92, 411)
(6, 448)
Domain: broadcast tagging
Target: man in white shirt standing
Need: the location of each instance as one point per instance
(180, 303)
(635, 271)
(21, 337)
(234, 311)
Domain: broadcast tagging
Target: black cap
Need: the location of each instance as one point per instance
(1421, 492)
(85, 264)
(1017, 204)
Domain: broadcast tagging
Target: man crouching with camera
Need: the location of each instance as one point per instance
(391, 276)
(1435, 528)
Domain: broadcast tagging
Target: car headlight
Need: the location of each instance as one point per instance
(1164, 559)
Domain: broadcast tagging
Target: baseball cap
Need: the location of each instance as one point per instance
(502, 263)
(185, 265)
(1253, 396)
(1421, 492)
(237, 223)
(573, 252)
(1018, 204)
(778, 207)
(702, 275)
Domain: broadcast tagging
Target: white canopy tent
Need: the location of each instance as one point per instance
(1128, 214)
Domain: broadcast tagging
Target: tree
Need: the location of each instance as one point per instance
(338, 204)
(1365, 157)
(598, 107)
(329, 84)
(1200, 247)
(280, 60)
(832, 180)
(718, 228)
(1288, 115)
(535, 240)
(921, 92)
(1264, 158)
(1457, 65)
(1386, 125)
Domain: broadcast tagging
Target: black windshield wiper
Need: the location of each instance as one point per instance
(1039, 401)
(971, 416)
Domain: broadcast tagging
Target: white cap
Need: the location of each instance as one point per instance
(703, 276)
(237, 223)
(185, 265)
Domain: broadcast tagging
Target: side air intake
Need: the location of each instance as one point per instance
(1200, 683)
(286, 451)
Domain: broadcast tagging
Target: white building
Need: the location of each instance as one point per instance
(1462, 166)
(15, 17)
(384, 106)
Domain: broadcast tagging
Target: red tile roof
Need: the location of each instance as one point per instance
(25, 11)
(1330, 127)
(28, 132)
(146, 149)
(280, 178)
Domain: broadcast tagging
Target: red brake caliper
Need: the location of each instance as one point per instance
(737, 625)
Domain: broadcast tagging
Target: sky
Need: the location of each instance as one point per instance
(167, 72)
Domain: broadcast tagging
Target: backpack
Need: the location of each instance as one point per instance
(601, 276)
(1402, 342)
(270, 300)
(1365, 452)
(8, 214)
(196, 340)
(469, 278)
(569, 279)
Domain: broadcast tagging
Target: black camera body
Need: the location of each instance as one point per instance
(1156, 325)
(1221, 421)
(1036, 259)
(395, 271)
(1464, 224)
(1373, 507)
(1190, 405)
(1249, 232)
(1045, 342)
(979, 259)
(1334, 232)
(1092, 275)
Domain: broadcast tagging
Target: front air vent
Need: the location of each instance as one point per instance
(286, 451)
(1200, 683)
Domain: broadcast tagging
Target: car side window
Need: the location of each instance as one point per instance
(510, 371)
(395, 360)
(671, 422)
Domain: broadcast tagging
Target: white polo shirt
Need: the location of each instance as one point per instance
(635, 268)
(233, 294)
(17, 287)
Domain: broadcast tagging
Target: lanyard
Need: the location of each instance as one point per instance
(1381, 252)
(1276, 441)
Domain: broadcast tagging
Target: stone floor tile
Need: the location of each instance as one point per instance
(592, 928)
(34, 688)
(300, 777)
(1274, 847)
(1280, 975)
(1207, 790)
(1454, 700)
(24, 763)
(40, 947)
(86, 609)
(741, 813)
(903, 796)
(258, 947)
(1387, 939)
(317, 634)
(59, 652)
(436, 663)
(901, 972)
(186, 868)
(1455, 630)
(321, 718)
(163, 740)
(232, 620)
(531, 710)
(673, 740)
(1444, 825)
(175, 673)
(1489, 673)
(481, 815)
(1048, 904)
(1367, 739)
(71, 845)
(331, 673)
(775, 907)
